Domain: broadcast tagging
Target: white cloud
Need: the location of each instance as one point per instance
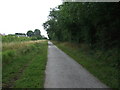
(19, 16)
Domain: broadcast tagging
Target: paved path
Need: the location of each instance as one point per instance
(63, 72)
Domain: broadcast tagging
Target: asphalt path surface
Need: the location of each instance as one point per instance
(64, 72)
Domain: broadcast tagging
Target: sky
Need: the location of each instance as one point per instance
(19, 16)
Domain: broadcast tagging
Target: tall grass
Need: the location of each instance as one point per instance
(21, 56)
(14, 39)
(17, 45)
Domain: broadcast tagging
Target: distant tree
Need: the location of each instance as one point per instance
(30, 33)
(37, 32)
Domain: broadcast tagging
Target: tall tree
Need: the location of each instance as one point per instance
(96, 24)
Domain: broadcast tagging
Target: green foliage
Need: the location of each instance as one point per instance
(14, 38)
(96, 24)
(34, 38)
(36, 35)
(37, 32)
(30, 33)
(91, 24)
(9, 38)
(21, 68)
(8, 54)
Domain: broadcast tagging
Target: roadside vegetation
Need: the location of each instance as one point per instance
(13, 38)
(18, 37)
(92, 33)
(101, 64)
(23, 63)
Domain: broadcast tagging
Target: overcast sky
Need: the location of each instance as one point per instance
(19, 16)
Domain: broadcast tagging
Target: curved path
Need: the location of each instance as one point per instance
(64, 72)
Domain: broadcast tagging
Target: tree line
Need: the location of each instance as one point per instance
(36, 35)
(96, 24)
(18, 37)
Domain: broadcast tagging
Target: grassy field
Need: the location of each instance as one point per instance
(24, 64)
(100, 64)
(9, 38)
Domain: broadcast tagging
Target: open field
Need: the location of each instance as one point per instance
(103, 65)
(24, 64)
(14, 39)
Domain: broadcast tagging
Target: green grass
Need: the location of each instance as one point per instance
(33, 76)
(14, 38)
(98, 63)
(23, 67)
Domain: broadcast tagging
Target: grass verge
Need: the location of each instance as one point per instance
(95, 62)
(23, 67)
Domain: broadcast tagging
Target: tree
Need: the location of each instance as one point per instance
(95, 24)
(37, 34)
(30, 33)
